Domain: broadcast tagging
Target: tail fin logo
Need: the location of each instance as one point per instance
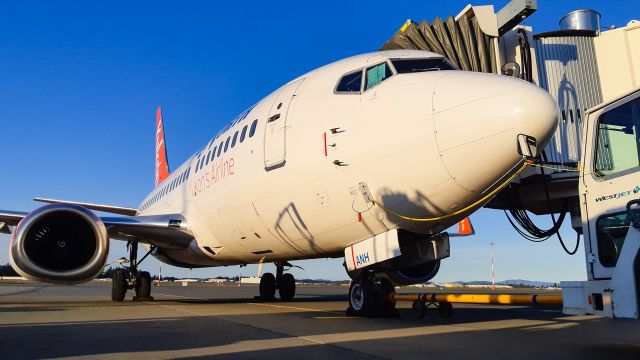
(162, 165)
(465, 228)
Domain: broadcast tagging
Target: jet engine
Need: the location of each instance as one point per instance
(419, 261)
(60, 243)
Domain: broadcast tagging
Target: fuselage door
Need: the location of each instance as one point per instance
(276, 129)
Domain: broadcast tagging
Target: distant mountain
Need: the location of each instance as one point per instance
(527, 283)
(512, 282)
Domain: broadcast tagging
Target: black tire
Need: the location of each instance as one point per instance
(119, 285)
(362, 297)
(268, 286)
(143, 285)
(419, 309)
(445, 309)
(385, 306)
(287, 287)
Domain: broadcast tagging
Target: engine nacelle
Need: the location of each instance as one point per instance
(60, 243)
(419, 262)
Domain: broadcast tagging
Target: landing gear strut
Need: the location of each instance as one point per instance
(284, 283)
(370, 296)
(131, 278)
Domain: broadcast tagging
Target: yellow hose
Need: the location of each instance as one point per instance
(465, 209)
(504, 299)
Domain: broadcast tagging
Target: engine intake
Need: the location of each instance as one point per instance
(60, 243)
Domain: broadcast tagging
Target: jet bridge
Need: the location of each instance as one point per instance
(586, 70)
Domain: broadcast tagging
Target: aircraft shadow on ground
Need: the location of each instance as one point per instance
(254, 335)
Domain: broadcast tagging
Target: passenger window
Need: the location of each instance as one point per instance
(213, 154)
(244, 132)
(617, 147)
(219, 149)
(611, 230)
(252, 131)
(226, 144)
(377, 74)
(208, 156)
(350, 82)
(404, 66)
(235, 137)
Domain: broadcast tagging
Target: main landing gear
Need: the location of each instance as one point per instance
(284, 283)
(370, 296)
(131, 278)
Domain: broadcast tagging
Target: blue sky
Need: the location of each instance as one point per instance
(79, 82)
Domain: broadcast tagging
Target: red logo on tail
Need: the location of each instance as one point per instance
(465, 227)
(162, 165)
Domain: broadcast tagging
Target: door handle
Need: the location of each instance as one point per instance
(274, 118)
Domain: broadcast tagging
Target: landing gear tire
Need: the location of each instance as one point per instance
(119, 285)
(287, 287)
(384, 290)
(371, 297)
(268, 286)
(143, 286)
(362, 297)
(445, 309)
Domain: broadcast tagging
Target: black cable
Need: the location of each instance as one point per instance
(553, 218)
(577, 244)
(525, 55)
(530, 231)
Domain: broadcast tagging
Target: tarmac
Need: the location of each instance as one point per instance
(55, 321)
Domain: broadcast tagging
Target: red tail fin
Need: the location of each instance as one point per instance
(162, 165)
(465, 227)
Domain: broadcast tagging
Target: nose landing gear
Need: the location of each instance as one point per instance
(131, 278)
(284, 283)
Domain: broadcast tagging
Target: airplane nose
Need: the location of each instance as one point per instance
(477, 120)
(539, 114)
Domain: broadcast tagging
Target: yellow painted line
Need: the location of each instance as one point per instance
(298, 308)
(335, 317)
(179, 296)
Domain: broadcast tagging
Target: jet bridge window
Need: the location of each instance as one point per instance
(350, 83)
(377, 74)
(404, 66)
(618, 146)
(611, 230)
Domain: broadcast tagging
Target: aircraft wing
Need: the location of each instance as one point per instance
(10, 218)
(97, 207)
(168, 230)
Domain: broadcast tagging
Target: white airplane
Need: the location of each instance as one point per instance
(372, 158)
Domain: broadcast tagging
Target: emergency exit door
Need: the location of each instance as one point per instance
(275, 137)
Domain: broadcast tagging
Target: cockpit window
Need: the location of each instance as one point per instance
(404, 66)
(350, 82)
(377, 74)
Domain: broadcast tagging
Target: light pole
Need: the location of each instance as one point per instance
(493, 274)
